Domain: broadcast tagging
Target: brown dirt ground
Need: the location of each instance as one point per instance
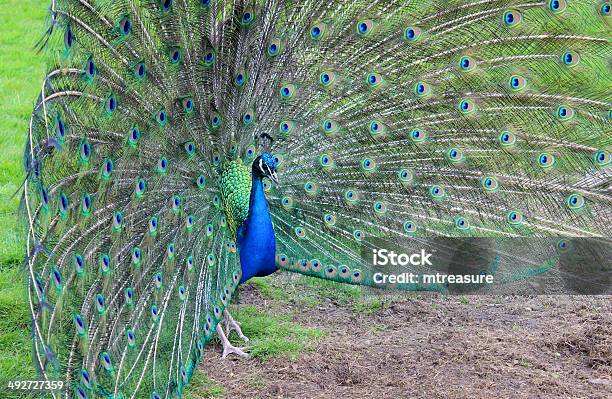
(432, 346)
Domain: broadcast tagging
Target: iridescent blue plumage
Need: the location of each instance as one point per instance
(255, 236)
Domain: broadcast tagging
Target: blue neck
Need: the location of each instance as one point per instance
(255, 236)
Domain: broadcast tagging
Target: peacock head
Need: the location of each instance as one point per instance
(265, 166)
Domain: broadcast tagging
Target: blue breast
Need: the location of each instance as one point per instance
(255, 237)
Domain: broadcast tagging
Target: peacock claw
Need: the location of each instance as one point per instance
(231, 324)
(229, 348)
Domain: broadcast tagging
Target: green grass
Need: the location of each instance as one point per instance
(274, 335)
(318, 291)
(336, 292)
(313, 292)
(203, 387)
(266, 289)
(21, 72)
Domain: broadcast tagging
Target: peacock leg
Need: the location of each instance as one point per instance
(227, 347)
(231, 324)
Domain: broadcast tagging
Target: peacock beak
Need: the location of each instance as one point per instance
(274, 177)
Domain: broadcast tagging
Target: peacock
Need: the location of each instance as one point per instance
(179, 148)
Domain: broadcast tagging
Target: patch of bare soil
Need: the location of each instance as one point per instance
(431, 346)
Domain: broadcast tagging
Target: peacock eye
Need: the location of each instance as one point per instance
(327, 78)
(166, 5)
(409, 227)
(153, 225)
(140, 70)
(190, 149)
(364, 27)
(86, 203)
(330, 127)
(325, 160)
(514, 218)
(274, 47)
(406, 177)
(60, 128)
(512, 18)
(489, 183)
(68, 37)
(90, 68)
(467, 106)
(602, 158)
(125, 26)
(161, 117)
(215, 121)
(412, 34)
(63, 202)
(248, 16)
(175, 56)
(187, 104)
(209, 59)
(455, 155)
(418, 135)
(240, 79)
(517, 83)
(422, 89)
(287, 91)
(286, 127)
(546, 160)
(317, 31)
(565, 113)
(85, 151)
(507, 138)
(570, 58)
(248, 117)
(461, 223)
(134, 136)
(380, 207)
(110, 104)
(368, 165)
(176, 201)
(44, 196)
(437, 192)
(376, 128)
(374, 79)
(140, 186)
(557, 6)
(467, 63)
(575, 201)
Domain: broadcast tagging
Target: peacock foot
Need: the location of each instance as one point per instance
(231, 324)
(229, 348)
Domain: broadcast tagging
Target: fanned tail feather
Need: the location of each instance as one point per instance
(401, 123)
